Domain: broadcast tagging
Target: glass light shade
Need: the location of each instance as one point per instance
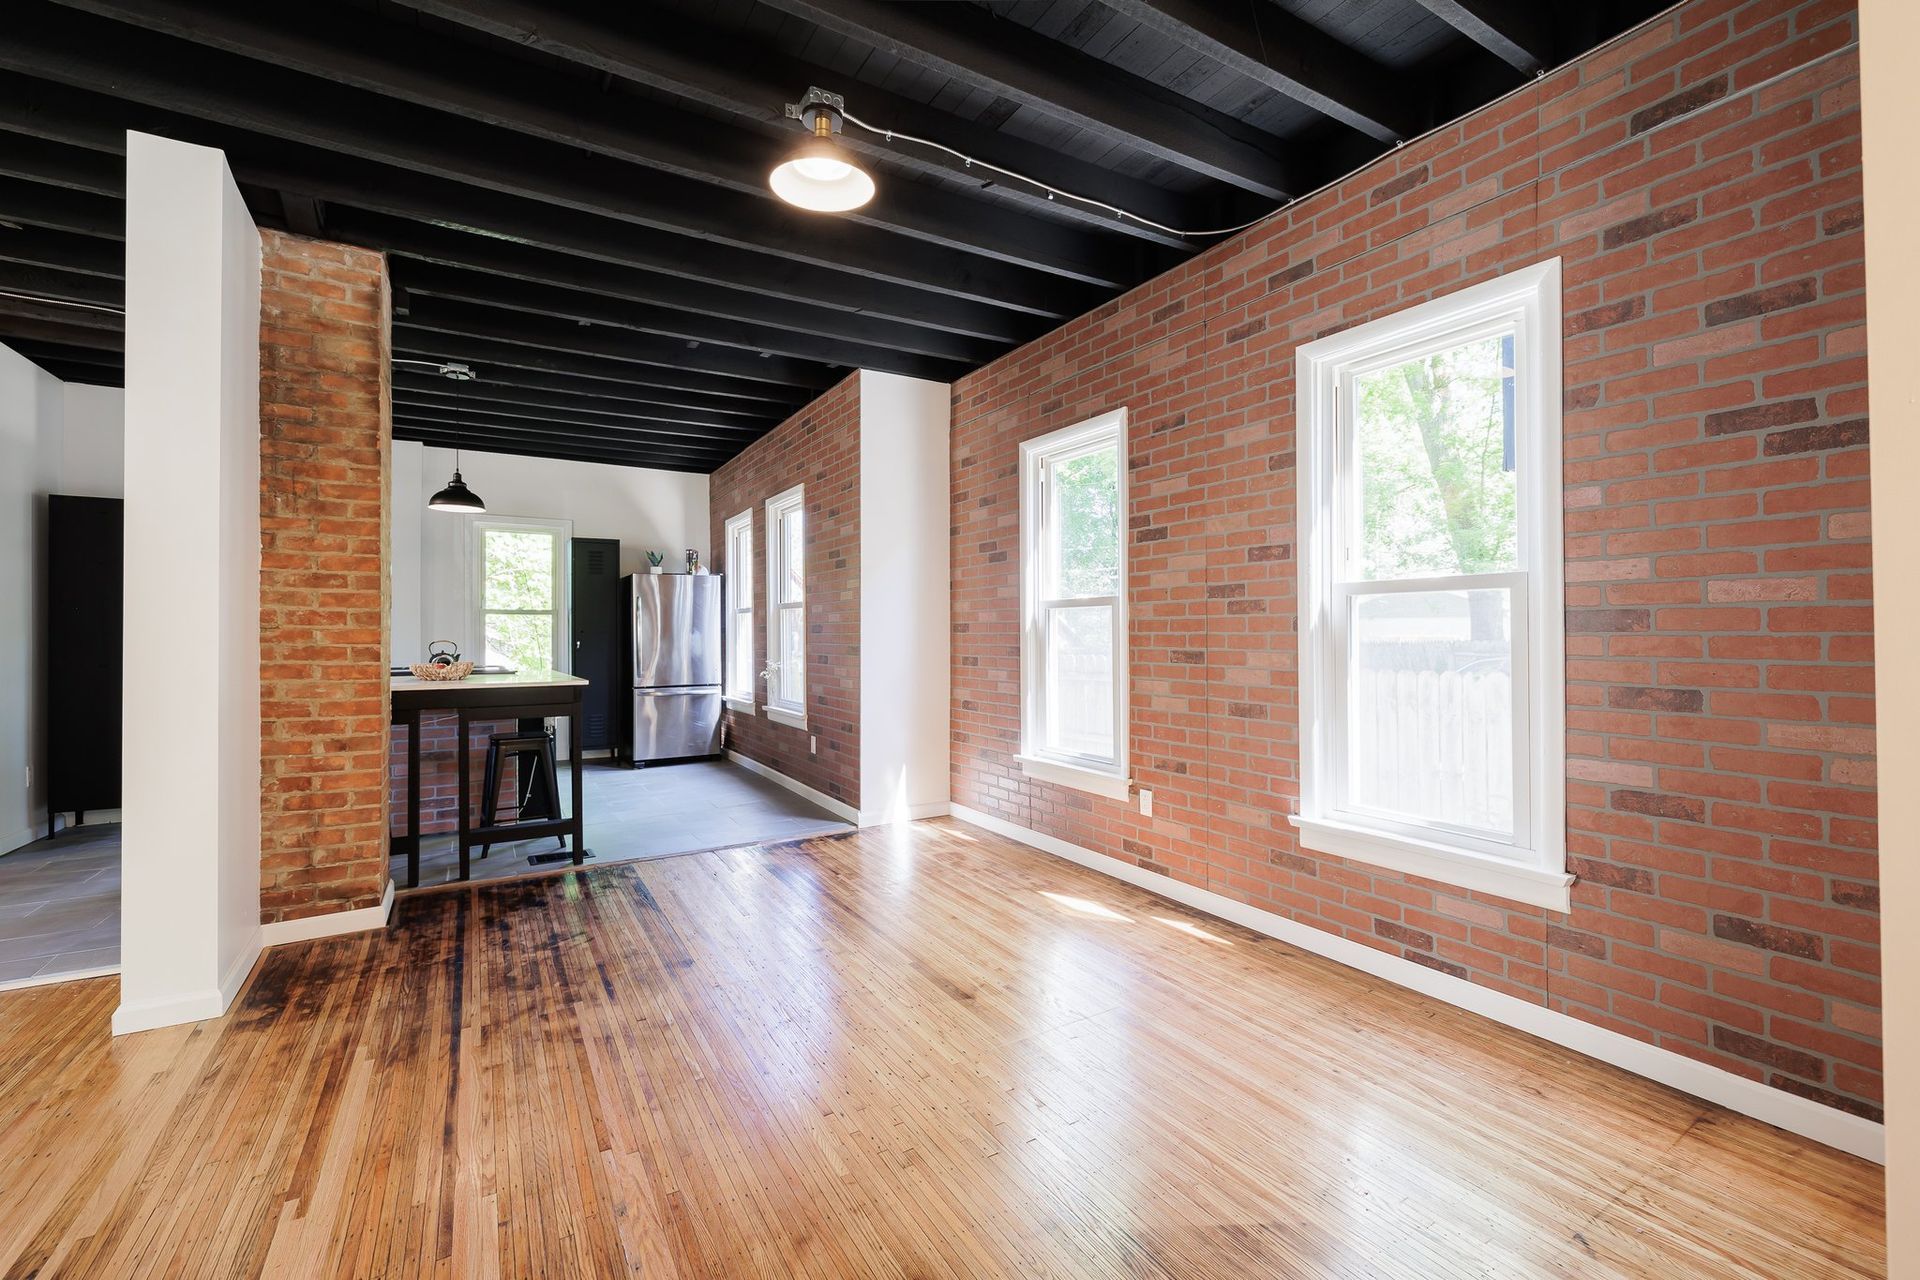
(818, 175)
(456, 497)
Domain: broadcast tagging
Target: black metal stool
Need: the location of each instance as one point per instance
(539, 786)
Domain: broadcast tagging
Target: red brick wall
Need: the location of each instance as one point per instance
(439, 771)
(820, 447)
(1701, 182)
(324, 457)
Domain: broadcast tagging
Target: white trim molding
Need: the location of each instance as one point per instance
(1809, 1119)
(331, 924)
(1097, 781)
(196, 1007)
(838, 808)
(48, 979)
(780, 715)
(1510, 880)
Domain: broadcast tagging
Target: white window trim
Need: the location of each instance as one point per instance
(476, 586)
(1533, 869)
(794, 717)
(1112, 781)
(739, 582)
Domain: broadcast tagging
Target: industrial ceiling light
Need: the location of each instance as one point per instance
(819, 174)
(456, 496)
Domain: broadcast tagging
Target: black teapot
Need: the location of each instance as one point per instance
(442, 653)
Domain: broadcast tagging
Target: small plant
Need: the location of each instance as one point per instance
(654, 558)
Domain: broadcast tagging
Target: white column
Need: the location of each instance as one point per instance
(190, 901)
(1890, 101)
(905, 597)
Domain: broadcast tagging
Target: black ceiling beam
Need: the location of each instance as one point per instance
(67, 250)
(498, 397)
(423, 242)
(777, 375)
(431, 280)
(92, 375)
(78, 318)
(403, 63)
(420, 404)
(977, 48)
(90, 53)
(688, 439)
(502, 382)
(1288, 55)
(57, 282)
(570, 448)
(487, 351)
(1515, 31)
(546, 451)
(98, 124)
(40, 352)
(654, 47)
(20, 321)
(32, 204)
(54, 165)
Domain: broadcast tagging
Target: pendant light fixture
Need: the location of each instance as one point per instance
(456, 496)
(819, 174)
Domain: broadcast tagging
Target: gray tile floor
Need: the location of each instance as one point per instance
(60, 905)
(650, 813)
(60, 898)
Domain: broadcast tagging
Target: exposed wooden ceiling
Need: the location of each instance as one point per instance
(574, 195)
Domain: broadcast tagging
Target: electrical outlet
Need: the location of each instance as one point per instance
(1146, 802)
(813, 744)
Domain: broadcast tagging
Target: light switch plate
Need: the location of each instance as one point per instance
(1146, 802)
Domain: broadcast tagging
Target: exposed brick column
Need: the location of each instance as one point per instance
(325, 433)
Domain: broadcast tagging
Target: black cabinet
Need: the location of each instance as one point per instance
(84, 559)
(596, 616)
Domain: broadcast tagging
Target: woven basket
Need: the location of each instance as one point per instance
(428, 671)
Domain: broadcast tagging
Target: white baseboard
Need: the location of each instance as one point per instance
(196, 1006)
(359, 920)
(839, 809)
(16, 840)
(1809, 1119)
(912, 812)
(48, 979)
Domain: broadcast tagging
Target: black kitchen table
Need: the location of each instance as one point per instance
(521, 695)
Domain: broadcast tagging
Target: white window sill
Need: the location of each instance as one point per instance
(791, 719)
(1436, 861)
(1109, 785)
(745, 706)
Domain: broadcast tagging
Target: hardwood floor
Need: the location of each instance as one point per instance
(923, 1052)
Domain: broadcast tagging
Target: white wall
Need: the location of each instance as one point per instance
(190, 861)
(1890, 102)
(31, 405)
(646, 510)
(905, 597)
(93, 442)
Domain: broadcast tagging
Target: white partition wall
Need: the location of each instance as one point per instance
(190, 901)
(905, 597)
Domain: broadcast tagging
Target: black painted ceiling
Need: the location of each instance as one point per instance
(573, 194)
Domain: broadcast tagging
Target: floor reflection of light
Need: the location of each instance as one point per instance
(1191, 930)
(1085, 907)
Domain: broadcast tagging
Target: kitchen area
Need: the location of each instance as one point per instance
(588, 728)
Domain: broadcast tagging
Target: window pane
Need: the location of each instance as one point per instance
(740, 655)
(793, 561)
(1429, 724)
(1079, 687)
(1084, 525)
(1435, 444)
(523, 641)
(518, 570)
(792, 683)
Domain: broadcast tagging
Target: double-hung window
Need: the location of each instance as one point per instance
(739, 647)
(1073, 520)
(1432, 698)
(786, 670)
(519, 593)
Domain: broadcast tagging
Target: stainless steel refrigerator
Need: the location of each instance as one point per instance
(675, 620)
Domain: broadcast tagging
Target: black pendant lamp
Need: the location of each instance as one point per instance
(456, 496)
